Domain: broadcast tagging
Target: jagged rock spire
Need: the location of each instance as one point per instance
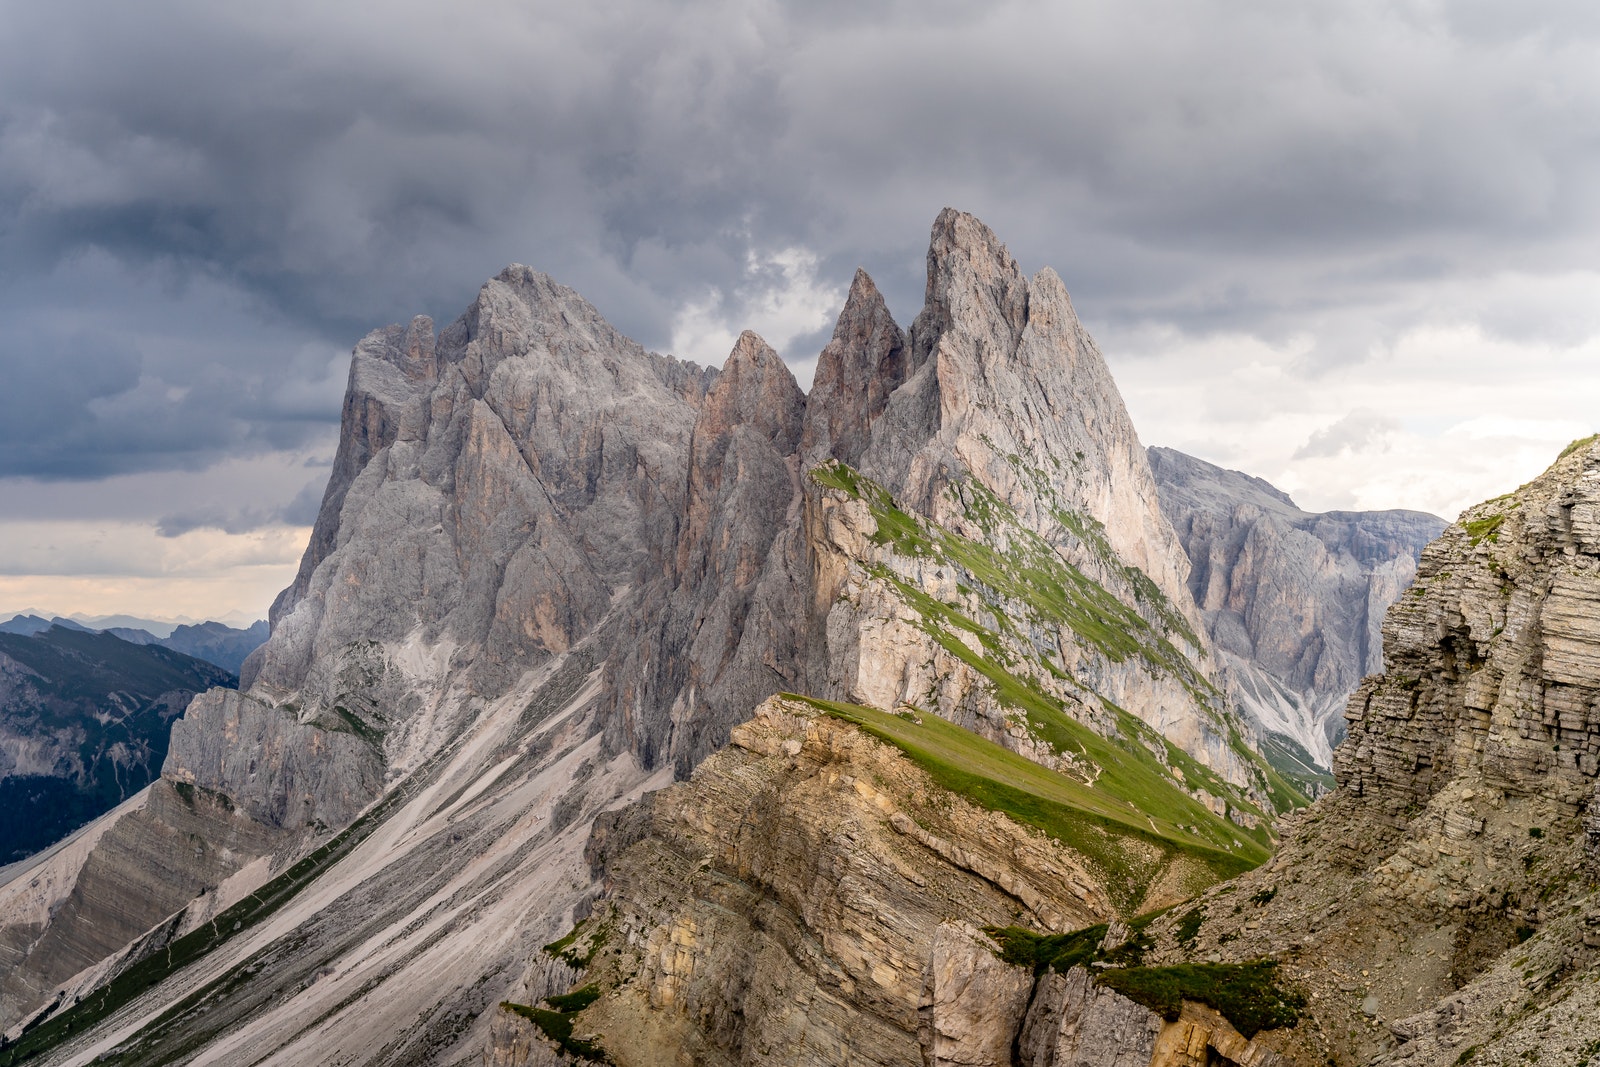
(865, 361)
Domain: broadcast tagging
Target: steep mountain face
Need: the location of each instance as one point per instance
(553, 571)
(1293, 601)
(1000, 553)
(84, 721)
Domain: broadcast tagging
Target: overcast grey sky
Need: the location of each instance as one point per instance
(1347, 246)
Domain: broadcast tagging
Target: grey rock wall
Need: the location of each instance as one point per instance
(1292, 600)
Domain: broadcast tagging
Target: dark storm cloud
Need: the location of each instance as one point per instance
(202, 206)
(301, 510)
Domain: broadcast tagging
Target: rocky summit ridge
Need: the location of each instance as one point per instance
(915, 647)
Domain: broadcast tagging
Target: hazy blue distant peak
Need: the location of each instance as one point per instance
(29, 625)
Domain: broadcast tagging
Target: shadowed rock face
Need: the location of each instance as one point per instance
(857, 372)
(729, 631)
(1294, 601)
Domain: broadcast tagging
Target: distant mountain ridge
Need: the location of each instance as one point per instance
(85, 720)
(1293, 600)
(217, 643)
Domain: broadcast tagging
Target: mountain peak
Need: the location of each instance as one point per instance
(970, 275)
(861, 365)
(756, 388)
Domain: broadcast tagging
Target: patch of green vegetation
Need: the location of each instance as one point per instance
(188, 792)
(1029, 582)
(1466, 1055)
(1536, 831)
(557, 1026)
(1582, 442)
(1061, 952)
(578, 955)
(345, 721)
(1282, 795)
(1125, 767)
(894, 525)
(1022, 947)
(1484, 529)
(1091, 533)
(1188, 927)
(1099, 821)
(1247, 994)
(575, 1001)
(1030, 572)
(1297, 766)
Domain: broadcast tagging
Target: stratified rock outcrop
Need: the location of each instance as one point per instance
(1440, 904)
(790, 903)
(1293, 601)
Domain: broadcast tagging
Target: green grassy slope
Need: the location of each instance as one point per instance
(1113, 822)
(1014, 592)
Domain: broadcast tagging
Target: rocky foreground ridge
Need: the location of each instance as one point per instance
(552, 574)
(1440, 906)
(1293, 601)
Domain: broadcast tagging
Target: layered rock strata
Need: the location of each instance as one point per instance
(814, 896)
(1440, 905)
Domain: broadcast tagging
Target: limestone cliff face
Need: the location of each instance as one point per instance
(1005, 383)
(999, 551)
(492, 490)
(1293, 601)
